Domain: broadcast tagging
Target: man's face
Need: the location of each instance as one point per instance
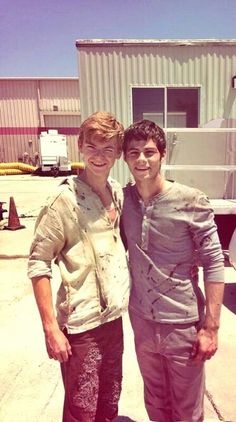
(99, 155)
(143, 159)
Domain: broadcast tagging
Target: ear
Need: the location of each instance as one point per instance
(80, 143)
(163, 155)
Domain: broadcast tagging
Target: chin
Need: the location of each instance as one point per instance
(142, 176)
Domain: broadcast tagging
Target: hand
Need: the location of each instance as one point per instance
(206, 344)
(58, 347)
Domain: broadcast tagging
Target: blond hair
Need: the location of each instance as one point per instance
(104, 125)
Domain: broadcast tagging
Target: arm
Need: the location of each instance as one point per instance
(48, 242)
(207, 338)
(57, 344)
(211, 257)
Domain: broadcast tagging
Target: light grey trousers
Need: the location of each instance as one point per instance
(174, 384)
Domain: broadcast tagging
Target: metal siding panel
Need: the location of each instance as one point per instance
(120, 172)
(19, 110)
(85, 77)
(62, 93)
(73, 151)
(209, 67)
(53, 121)
(18, 104)
(13, 147)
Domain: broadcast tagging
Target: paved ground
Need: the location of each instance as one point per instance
(31, 388)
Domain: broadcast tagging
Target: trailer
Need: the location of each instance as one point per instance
(53, 153)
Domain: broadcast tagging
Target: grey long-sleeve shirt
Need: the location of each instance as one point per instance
(162, 240)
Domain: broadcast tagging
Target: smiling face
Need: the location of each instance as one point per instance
(143, 159)
(99, 155)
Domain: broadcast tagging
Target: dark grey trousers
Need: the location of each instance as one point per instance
(92, 376)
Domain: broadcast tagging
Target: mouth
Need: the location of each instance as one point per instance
(139, 169)
(99, 165)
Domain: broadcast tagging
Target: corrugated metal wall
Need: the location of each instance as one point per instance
(18, 103)
(61, 93)
(107, 72)
(209, 67)
(29, 106)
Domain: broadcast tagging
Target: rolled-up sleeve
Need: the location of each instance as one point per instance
(48, 241)
(206, 240)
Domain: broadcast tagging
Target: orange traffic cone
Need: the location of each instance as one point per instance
(13, 219)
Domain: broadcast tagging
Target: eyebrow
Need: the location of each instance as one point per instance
(103, 144)
(145, 149)
(89, 142)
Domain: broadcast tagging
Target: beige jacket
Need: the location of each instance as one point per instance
(75, 230)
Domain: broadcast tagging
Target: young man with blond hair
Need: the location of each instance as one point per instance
(166, 224)
(79, 229)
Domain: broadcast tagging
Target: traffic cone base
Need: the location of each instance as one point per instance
(13, 219)
(14, 227)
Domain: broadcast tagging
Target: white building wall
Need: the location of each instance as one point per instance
(31, 105)
(108, 70)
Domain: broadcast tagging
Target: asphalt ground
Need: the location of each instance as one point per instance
(31, 389)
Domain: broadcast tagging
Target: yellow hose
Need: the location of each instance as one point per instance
(25, 168)
(77, 165)
(10, 172)
(22, 168)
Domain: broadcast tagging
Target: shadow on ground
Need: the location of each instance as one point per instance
(124, 419)
(230, 296)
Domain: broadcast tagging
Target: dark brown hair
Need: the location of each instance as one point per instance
(145, 130)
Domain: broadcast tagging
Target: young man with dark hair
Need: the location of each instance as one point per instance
(166, 224)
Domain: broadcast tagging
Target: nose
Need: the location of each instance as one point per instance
(98, 152)
(141, 156)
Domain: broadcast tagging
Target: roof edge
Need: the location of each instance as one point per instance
(35, 78)
(159, 42)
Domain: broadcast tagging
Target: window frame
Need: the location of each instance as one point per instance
(165, 88)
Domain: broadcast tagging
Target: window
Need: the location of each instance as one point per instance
(168, 107)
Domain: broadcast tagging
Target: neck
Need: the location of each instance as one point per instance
(148, 189)
(97, 183)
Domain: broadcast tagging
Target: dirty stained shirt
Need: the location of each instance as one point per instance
(75, 230)
(162, 240)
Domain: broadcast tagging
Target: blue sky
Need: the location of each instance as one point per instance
(37, 37)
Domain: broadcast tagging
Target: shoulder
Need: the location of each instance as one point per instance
(192, 199)
(129, 189)
(116, 188)
(57, 205)
(64, 192)
(188, 192)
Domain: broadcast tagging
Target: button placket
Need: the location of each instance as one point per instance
(147, 212)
